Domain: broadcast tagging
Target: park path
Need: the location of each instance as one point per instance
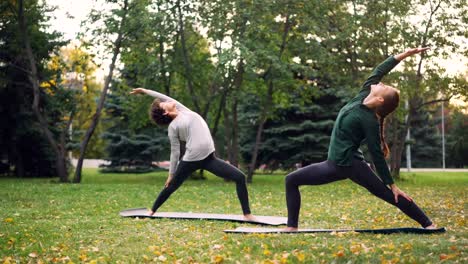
(94, 163)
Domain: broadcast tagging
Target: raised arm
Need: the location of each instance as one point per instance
(410, 52)
(380, 71)
(386, 66)
(161, 96)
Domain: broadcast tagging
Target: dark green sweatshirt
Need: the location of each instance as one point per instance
(357, 124)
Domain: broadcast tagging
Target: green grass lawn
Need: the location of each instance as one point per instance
(46, 222)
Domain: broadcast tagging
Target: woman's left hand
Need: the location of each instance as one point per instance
(416, 50)
(138, 91)
(410, 52)
(397, 192)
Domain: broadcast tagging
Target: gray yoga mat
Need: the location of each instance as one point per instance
(259, 219)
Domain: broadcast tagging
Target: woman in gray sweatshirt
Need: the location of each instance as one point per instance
(190, 128)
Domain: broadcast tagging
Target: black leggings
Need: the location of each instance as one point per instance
(214, 165)
(359, 172)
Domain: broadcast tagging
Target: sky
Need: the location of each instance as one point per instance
(70, 13)
(70, 26)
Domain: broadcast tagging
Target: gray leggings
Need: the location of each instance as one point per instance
(214, 165)
(359, 172)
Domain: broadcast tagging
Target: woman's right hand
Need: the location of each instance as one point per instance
(138, 91)
(168, 181)
(397, 192)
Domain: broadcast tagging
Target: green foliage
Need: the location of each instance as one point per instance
(426, 146)
(238, 63)
(23, 148)
(254, 55)
(47, 222)
(298, 134)
(131, 146)
(457, 139)
(75, 74)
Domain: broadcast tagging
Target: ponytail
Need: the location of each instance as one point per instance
(385, 148)
(391, 100)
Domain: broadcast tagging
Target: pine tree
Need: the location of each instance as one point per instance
(130, 148)
(457, 140)
(299, 133)
(426, 144)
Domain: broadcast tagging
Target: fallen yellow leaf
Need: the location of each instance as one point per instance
(218, 259)
(7, 260)
(300, 256)
(355, 249)
(339, 254)
(83, 257)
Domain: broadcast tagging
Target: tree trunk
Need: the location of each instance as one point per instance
(258, 137)
(227, 133)
(187, 65)
(235, 135)
(17, 160)
(66, 133)
(162, 61)
(268, 77)
(97, 114)
(398, 146)
(166, 82)
(238, 80)
(222, 104)
(33, 78)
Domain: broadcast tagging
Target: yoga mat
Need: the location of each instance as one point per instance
(259, 219)
(407, 230)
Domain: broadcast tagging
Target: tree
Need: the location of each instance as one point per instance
(130, 148)
(300, 134)
(75, 73)
(26, 30)
(426, 146)
(269, 48)
(162, 65)
(422, 88)
(227, 24)
(457, 139)
(116, 23)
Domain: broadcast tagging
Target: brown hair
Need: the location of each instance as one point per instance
(157, 114)
(391, 101)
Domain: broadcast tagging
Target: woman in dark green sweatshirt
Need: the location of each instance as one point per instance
(360, 120)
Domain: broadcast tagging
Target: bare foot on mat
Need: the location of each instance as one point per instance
(250, 217)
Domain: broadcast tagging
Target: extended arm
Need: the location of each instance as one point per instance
(161, 96)
(386, 66)
(409, 52)
(380, 71)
